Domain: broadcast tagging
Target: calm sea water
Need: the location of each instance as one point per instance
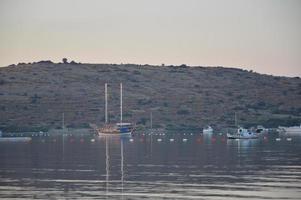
(151, 167)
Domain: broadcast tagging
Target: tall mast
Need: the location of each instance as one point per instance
(151, 119)
(120, 102)
(106, 103)
(236, 120)
(63, 121)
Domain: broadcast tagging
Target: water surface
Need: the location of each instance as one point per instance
(190, 166)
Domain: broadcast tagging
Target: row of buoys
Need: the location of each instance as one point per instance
(162, 134)
(30, 135)
(160, 140)
(213, 139)
(40, 135)
(198, 139)
(71, 140)
(287, 139)
(278, 139)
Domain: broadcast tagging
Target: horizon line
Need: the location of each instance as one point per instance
(183, 65)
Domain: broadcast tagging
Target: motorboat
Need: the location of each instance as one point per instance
(242, 133)
(290, 130)
(208, 130)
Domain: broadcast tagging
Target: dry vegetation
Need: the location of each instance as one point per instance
(34, 96)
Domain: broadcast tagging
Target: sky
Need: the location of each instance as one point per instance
(259, 35)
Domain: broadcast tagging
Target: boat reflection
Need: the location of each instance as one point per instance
(242, 143)
(119, 140)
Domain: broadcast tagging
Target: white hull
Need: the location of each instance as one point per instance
(291, 130)
(230, 136)
(208, 130)
(242, 134)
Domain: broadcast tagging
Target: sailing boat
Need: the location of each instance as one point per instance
(118, 128)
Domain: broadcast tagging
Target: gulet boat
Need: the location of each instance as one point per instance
(121, 128)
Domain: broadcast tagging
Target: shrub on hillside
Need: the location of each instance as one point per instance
(65, 60)
(183, 112)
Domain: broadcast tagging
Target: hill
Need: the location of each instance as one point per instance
(34, 96)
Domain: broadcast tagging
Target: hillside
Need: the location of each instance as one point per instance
(34, 96)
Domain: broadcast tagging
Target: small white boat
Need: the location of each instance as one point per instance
(290, 130)
(208, 130)
(242, 134)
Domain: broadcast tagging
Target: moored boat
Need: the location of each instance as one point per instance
(121, 128)
(242, 133)
(290, 130)
(208, 130)
(118, 128)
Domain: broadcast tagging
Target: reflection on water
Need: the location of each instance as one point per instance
(190, 166)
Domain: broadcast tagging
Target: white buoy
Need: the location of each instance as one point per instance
(288, 139)
(92, 140)
(171, 139)
(131, 140)
(278, 139)
(184, 140)
(159, 140)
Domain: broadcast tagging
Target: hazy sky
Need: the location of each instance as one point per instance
(262, 35)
